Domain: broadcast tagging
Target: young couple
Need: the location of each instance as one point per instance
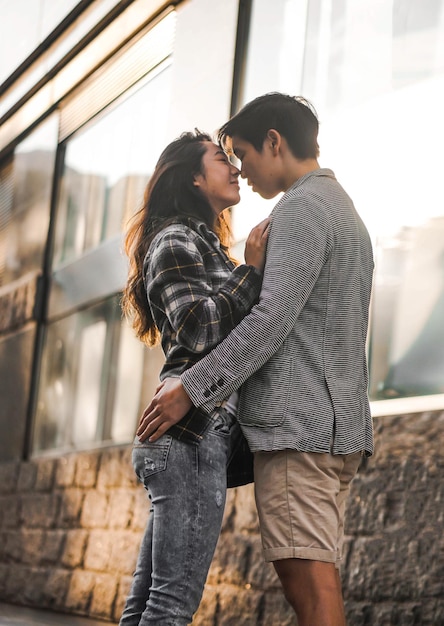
(276, 345)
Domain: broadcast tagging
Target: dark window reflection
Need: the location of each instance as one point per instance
(6, 187)
(25, 203)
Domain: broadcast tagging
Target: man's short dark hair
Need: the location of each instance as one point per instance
(293, 117)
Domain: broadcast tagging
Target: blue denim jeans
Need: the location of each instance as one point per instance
(187, 488)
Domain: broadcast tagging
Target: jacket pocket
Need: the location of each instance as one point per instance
(266, 395)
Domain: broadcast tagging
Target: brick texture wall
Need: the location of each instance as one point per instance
(70, 528)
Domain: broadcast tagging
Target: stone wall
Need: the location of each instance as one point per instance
(394, 572)
(70, 529)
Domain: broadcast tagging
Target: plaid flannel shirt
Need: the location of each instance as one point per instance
(197, 295)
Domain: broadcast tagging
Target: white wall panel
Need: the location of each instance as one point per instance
(203, 64)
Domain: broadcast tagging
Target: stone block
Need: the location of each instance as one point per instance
(56, 589)
(358, 613)
(8, 476)
(52, 547)
(230, 511)
(27, 476)
(24, 585)
(86, 470)
(276, 610)
(65, 471)
(239, 607)
(231, 560)
(98, 551)
(121, 506)
(141, 509)
(124, 551)
(4, 573)
(25, 547)
(111, 469)
(370, 566)
(388, 613)
(9, 511)
(260, 575)
(32, 542)
(74, 548)
(128, 478)
(80, 591)
(123, 590)
(95, 510)
(39, 510)
(12, 545)
(103, 596)
(365, 505)
(46, 470)
(71, 501)
(206, 613)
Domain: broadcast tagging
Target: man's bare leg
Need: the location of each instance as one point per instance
(313, 588)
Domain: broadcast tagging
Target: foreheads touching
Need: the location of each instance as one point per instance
(192, 178)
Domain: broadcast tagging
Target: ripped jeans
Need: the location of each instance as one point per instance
(187, 488)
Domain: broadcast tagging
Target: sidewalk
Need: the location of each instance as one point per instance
(11, 615)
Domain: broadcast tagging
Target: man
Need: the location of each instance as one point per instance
(299, 356)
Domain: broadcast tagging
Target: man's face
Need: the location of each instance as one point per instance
(259, 168)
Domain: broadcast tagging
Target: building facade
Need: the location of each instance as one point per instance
(90, 93)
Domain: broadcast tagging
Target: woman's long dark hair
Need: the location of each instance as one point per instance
(169, 195)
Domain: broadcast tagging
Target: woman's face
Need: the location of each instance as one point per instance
(219, 180)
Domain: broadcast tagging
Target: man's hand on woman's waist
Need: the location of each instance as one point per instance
(167, 407)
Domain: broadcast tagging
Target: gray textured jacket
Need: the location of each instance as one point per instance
(301, 351)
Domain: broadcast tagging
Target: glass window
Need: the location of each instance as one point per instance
(26, 201)
(375, 73)
(95, 375)
(26, 23)
(90, 383)
(6, 172)
(106, 169)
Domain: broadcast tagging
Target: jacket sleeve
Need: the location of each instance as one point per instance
(299, 243)
(177, 286)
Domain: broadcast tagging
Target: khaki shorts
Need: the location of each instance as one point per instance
(301, 497)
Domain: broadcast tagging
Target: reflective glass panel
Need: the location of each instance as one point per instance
(138, 377)
(375, 73)
(107, 166)
(91, 379)
(6, 186)
(26, 202)
(24, 25)
(95, 374)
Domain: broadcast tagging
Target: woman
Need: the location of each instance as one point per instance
(184, 289)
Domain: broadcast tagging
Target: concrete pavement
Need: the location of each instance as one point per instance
(11, 615)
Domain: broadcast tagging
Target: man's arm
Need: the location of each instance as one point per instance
(299, 242)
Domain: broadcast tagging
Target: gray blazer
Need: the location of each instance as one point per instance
(300, 354)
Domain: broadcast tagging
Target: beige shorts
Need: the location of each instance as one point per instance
(301, 497)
